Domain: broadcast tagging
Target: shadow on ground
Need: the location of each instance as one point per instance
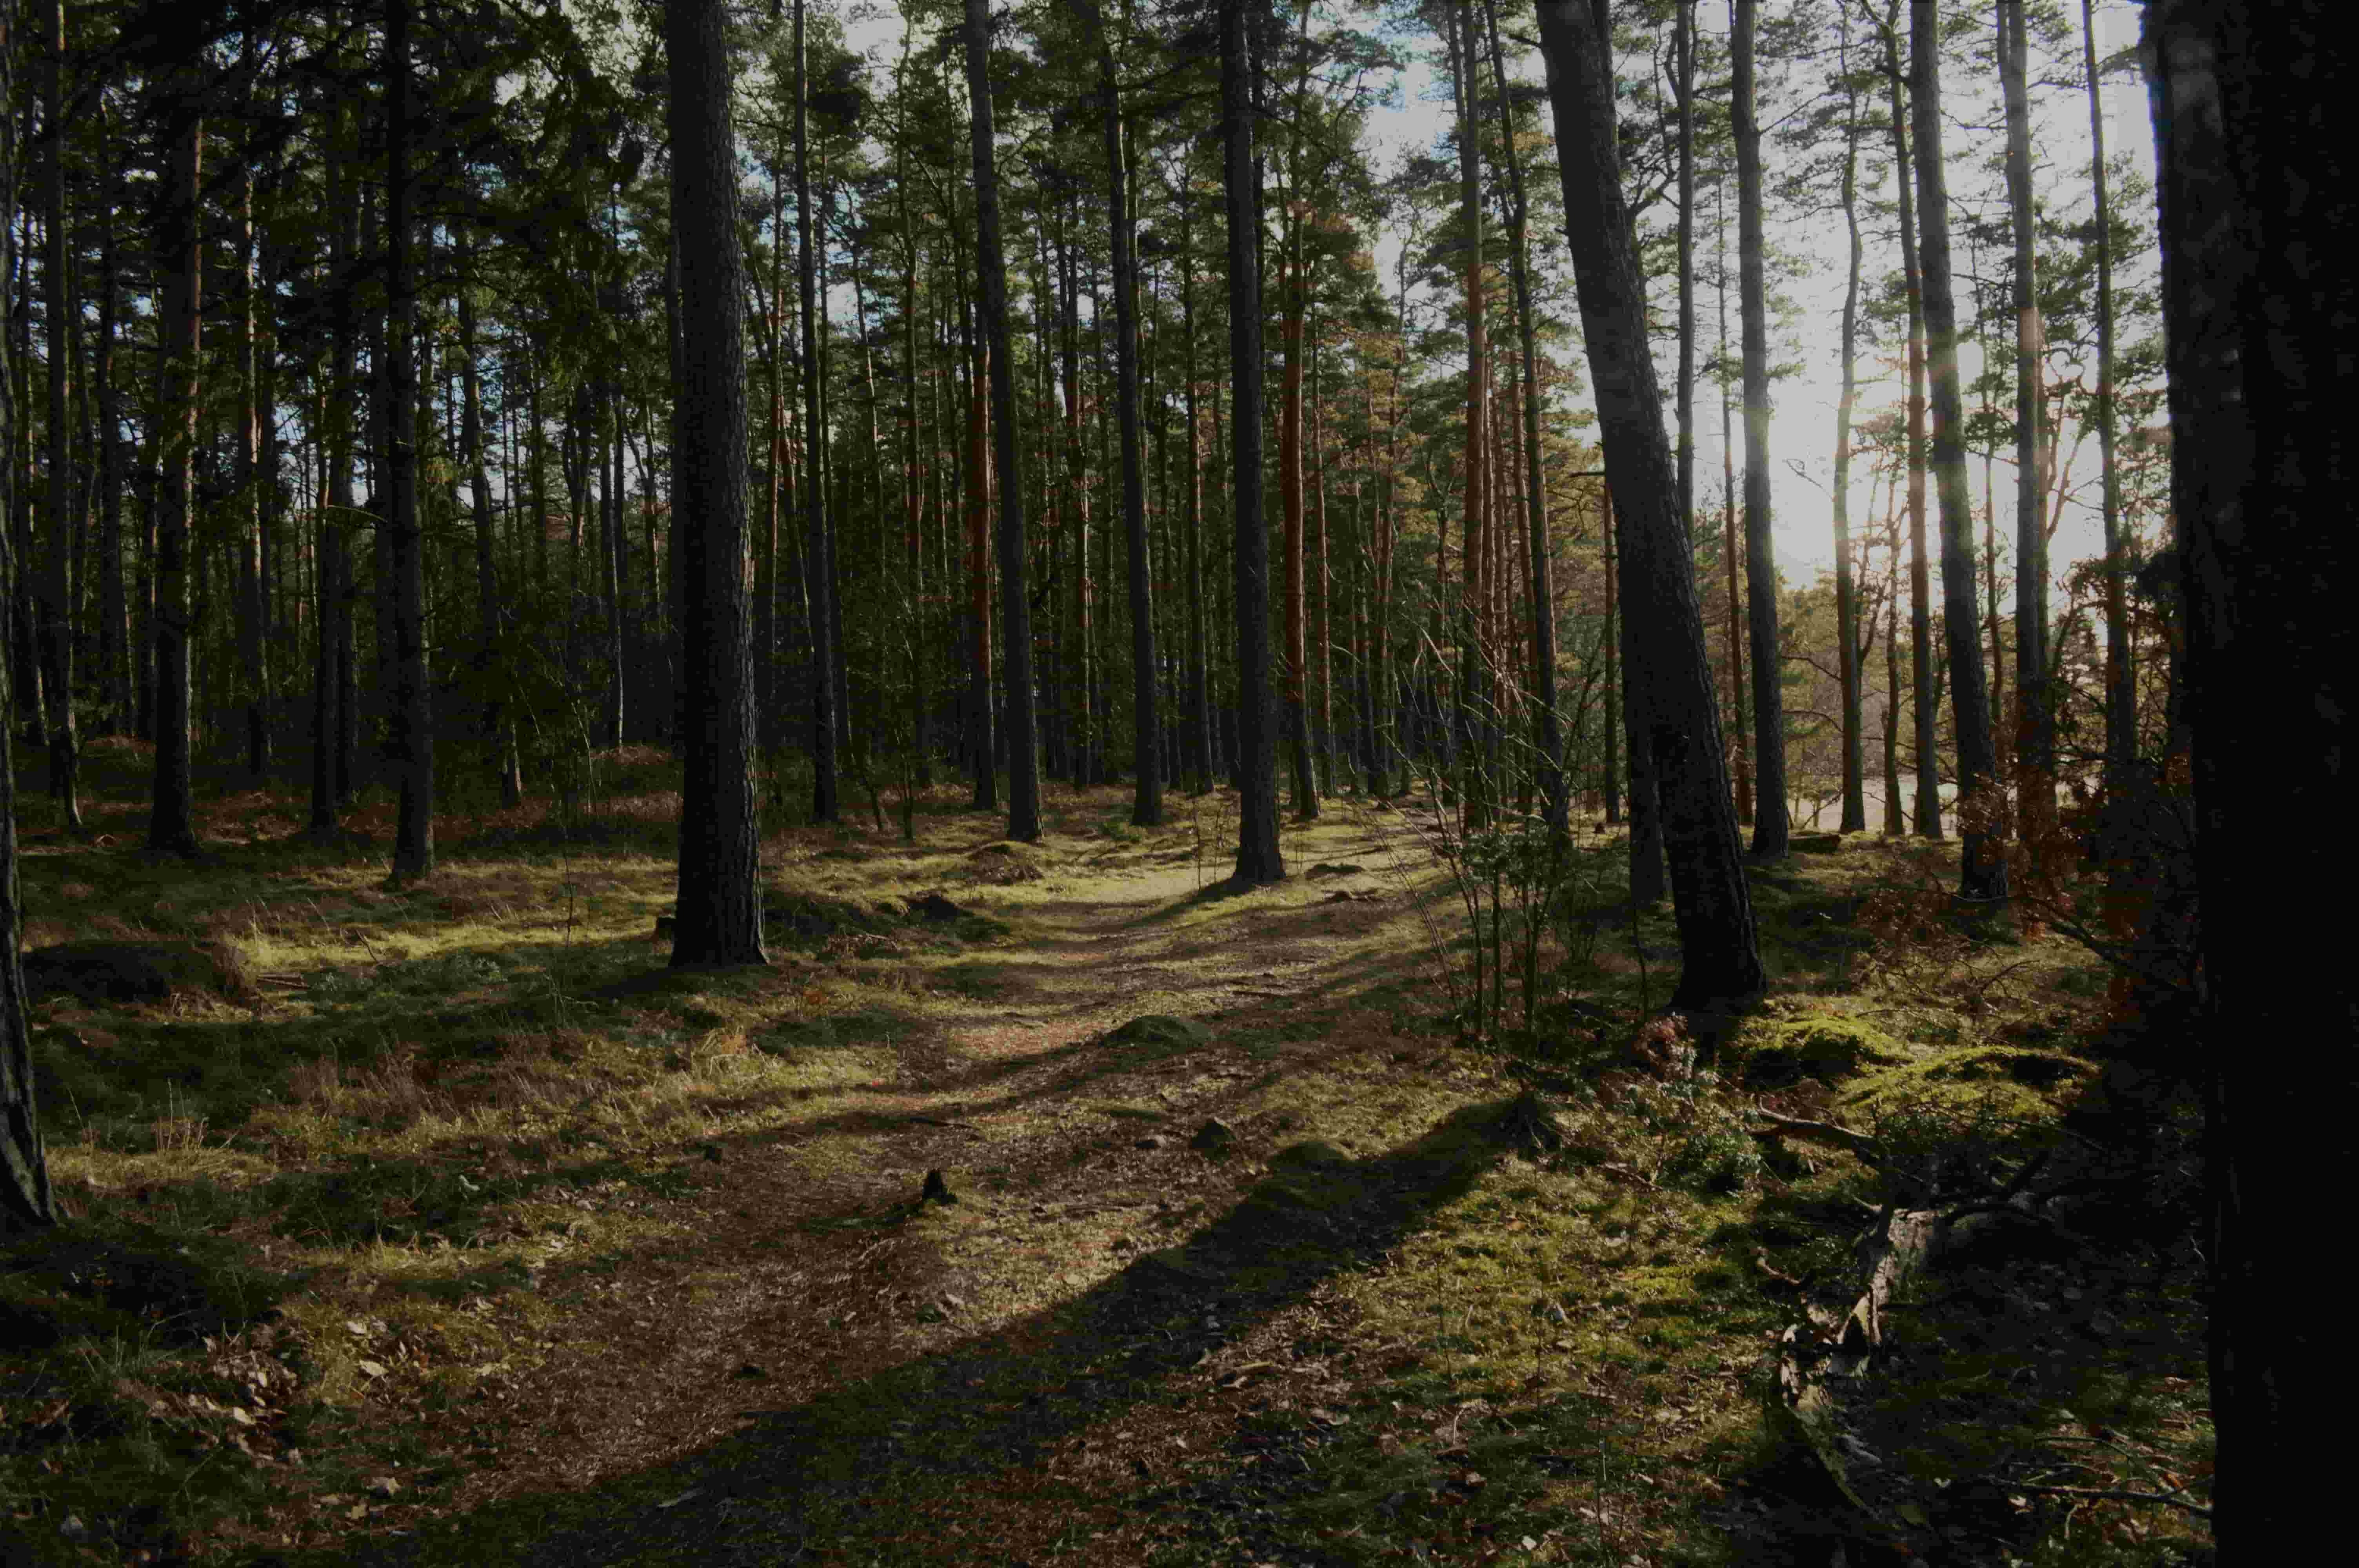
(859, 1466)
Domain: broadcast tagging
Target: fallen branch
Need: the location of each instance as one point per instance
(2114, 1494)
(1858, 1143)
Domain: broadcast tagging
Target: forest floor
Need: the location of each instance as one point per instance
(448, 1225)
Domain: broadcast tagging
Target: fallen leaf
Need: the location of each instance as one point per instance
(372, 1369)
(675, 1502)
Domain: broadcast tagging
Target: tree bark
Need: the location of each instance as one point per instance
(57, 574)
(1981, 810)
(25, 1202)
(1258, 857)
(171, 820)
(816, 559)
(1015, 603)
(2255, 197)
(1719, 946)
(1920, 625)
(2034, 728)
(1771, 831)
(1855, 783)
(2121, 689)
(720, 905)
(411, 710)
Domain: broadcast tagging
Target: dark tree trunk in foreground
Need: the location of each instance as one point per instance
(1259, 857)
(25, 1201)
(1719, 946)
(720, 899)
(411, 710)
(1981, 810)
(171, 820)
(1770, 827)
(1015, 603)
(2255, 202)
(2121, 699)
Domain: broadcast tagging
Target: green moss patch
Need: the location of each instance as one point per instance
(1776, 1055)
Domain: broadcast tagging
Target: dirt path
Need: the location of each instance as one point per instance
(810, 1329)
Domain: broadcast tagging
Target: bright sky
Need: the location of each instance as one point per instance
(1803, 418)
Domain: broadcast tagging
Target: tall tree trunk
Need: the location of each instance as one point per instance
(1015, 604)
(1983, 865)
(2034, 728)
(25, 1202)
(1259, 859)
(245, 544)
(331, 571)
(2262, 353)
(1855, 758)
(1684, 50)
(816, 557)
(1477, 719)
(2121, 689)
(1771, 830)
(1923, 691)
(56, 572)
(1549, 736)
(1732, 543)
(113, 604)
(171, 820)
(1291, 642)
(1719, 945)
(719, 902)
(411, 710)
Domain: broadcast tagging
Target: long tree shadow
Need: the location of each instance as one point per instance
(864, 1461)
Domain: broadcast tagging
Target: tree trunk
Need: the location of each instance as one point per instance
(246, 543)
(720, 902)
(1477, 716)
(1854, 785)
(1732, 543)
(2253, 194)
(1550, 735)
(2121, 690)
(1015, 604)
(1770, 832)
(331, 571)
(824, 727)
(56, 572)
(1923, 691)
(1719, 946)
(2034, 729)
(24, 1199)
(1259, 859)
(411, 710)
(1983, 865)
(171, 821)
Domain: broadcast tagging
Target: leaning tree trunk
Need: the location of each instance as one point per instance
(1015, 603)
(1259, 859)
(1719, 945)
(2263, 367)
(1981, 808)
(719, 902)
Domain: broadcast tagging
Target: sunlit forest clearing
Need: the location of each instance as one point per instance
(447, 1225)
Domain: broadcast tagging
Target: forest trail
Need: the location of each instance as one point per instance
(804, 1286)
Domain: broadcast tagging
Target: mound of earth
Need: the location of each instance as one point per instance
(1777, 1055)
(1005, 864)
(100, 972)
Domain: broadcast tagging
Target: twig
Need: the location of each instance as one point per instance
(1859, 1143)
(2114, 1494)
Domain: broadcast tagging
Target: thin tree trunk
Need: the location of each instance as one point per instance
(816, 559)
(1771, 830)
(411, 708)
(1924, 693)
(56, 573)
(1016, 611)
(2034, 729)
(1854, 761)
(2121, 690)
(1982, 866)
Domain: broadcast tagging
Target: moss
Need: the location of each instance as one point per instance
(1772, 1055)
(1159, 1029)
(1973, 1082)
